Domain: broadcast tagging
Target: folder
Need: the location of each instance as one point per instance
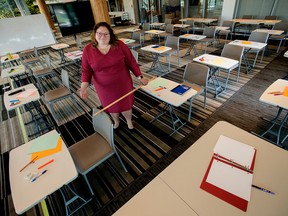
(230, 172)
(180, 89)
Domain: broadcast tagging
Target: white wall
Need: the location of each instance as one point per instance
(129, 7)
(228, 10)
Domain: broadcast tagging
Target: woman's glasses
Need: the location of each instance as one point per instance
(102, 34)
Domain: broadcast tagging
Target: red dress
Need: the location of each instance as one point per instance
(110, 75)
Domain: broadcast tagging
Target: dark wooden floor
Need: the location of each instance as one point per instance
(243, 109)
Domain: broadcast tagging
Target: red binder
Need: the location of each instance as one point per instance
(228, 197)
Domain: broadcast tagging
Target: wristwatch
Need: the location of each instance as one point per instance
(140, 77)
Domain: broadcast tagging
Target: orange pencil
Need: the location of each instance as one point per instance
(45, 164)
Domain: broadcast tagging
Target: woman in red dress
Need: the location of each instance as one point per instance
(107, 61)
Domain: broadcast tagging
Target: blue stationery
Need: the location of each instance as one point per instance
(180, 89)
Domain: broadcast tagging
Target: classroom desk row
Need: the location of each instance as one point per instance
(176, 190)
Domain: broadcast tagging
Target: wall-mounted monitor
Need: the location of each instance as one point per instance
(74, 17)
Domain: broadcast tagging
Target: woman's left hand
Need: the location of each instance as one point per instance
(144, 81)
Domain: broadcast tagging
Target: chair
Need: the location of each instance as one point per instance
(173, 42)
(167, 21)
(45, 71)
(145, 27)
(58, 94)
(226, 23)
(96, 148)
(261, 37)
(280, 26)
(135, 55)
(138, 40)
(196, 76)
(233, 52)
(169, 31)
(32, 60)
(79, 45)
(209, 32)
(271, 17)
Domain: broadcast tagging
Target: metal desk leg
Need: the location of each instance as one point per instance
(215, 81)
(156, 64)
(192, 46)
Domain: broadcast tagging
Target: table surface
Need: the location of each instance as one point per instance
(185, 174)
(270, 31)
(156, 48)
(77, 54)
(153, 31)
(202, 20)
(127, 40)
(181, 25)
(164, 202)
(193, 36)
(217, 61)
(165, 94)
(5, 59)
(26, 194)
(23, 100)
(256, 21)
(275, 100)
(59, 46)
(249, 44)
(13, 71)
(156, 24)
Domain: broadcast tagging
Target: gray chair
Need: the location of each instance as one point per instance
(173, 42)
(169, 31)
(145, 27)
(226, 23)
(27, 61)
(281, 38)
(196, 76)
(210, 33)
(271, 17)
(135, 55)
(138, 40)
(261, 37)
(167, 21)
(58, 94)
(45, 71)
(92, 151)
(233, 52)
(79, 45)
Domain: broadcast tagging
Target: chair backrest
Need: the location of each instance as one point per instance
(261, 37)
(281, 26)
(232, 52)
(271, 17)
(190, 23)
(228, 23)
(168, 21)
(135, 55)
(146, 27)
(35, 51)
(65, 78)
(172, 41)
(169, 28)
(196, 73)
(137, 36)
(209, 32)
(103, 125)
(79, 42)
(48, 61)
(247, 17)
(197, 16)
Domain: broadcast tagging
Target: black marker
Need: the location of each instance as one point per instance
(16, 92)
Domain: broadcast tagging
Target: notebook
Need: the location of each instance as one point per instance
(180, 89)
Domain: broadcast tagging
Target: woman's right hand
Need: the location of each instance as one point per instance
(83, 93)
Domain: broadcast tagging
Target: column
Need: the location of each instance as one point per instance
(100, 11)
(44, 10)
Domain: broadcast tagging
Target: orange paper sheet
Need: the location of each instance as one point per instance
(246, 42)
(160, 48)
(46, 153)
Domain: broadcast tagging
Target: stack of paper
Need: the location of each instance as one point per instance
(45, 146)
(230, 172)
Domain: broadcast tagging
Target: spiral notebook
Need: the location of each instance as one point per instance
(180, 89)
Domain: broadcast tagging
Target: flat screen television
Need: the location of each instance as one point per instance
(74, 17)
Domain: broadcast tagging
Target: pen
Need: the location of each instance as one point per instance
(263, 189)
(32, 161)
(45, 164)
(275, 92)
(38, 176)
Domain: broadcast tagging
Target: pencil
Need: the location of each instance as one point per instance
(45, 164)
(28, 163)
